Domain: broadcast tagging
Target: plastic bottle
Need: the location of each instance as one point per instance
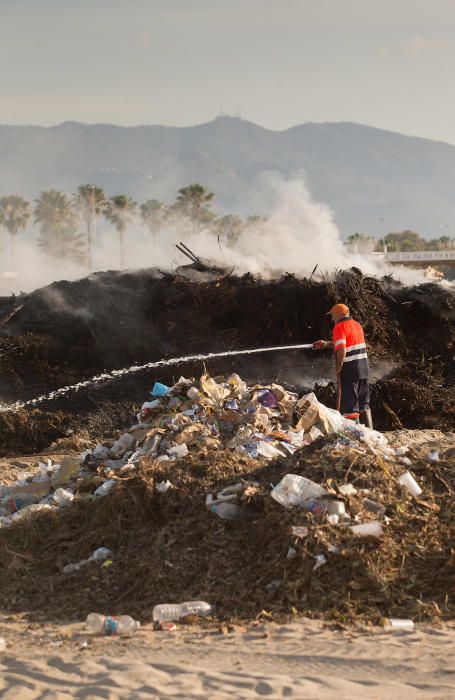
(104, 624)
(175, 611)
(394, 624)
(315, 507)
(227, 511)
(105, 488)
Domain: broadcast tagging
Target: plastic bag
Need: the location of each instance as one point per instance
(294, 490)
(159, 389)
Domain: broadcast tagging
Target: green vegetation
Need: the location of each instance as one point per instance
(398, 242)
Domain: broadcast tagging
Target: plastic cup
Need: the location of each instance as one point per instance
(394, 624)
(336, 508)
(410, 484)
(372, 529)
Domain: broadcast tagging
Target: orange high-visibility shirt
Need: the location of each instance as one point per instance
(348, 333)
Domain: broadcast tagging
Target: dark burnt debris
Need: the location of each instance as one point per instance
(70, 331)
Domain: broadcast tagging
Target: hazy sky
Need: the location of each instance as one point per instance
(278, 63)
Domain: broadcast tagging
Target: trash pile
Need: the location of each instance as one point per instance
(211, 414)
(251, 498)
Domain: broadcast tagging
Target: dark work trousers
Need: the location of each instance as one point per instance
(355, 394)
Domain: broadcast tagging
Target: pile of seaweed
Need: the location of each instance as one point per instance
(168, 547)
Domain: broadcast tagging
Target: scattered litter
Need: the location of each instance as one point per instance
(371, 529)
(347, 490)
(393, 624)
(433, 456)
(110, 626)
(163, 486)
(373, 506)
(321, 559)
(178, 450)
(410, 484)
(227, 511)
(272, 464)
(294, 490)
(159, 389)
(167, 626)
(299, 531)
(102, 554)
(63, 497)
(167, 612)
(105, 488)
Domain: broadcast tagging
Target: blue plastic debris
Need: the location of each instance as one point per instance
(159, 389)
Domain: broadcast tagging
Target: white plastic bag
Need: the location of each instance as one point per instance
(63, 497)
(294, 490)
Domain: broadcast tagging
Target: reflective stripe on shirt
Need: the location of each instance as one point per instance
(358, 356)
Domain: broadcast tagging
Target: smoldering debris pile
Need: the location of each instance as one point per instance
(70, 331)
(257, 500)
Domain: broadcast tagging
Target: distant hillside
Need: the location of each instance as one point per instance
(361, 172)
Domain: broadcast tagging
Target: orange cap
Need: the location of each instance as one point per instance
(339, 309)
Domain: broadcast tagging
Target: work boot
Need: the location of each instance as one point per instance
(366, 418)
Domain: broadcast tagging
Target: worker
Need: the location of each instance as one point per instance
(351, 362)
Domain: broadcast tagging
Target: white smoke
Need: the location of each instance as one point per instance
(298, 234)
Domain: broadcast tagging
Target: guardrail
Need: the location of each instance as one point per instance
(429, 256)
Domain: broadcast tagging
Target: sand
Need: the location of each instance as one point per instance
(305, 659)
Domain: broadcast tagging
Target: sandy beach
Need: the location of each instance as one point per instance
(305, 659)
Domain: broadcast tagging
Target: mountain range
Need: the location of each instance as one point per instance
(363, 173)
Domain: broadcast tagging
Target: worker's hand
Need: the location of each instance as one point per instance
(319, 345)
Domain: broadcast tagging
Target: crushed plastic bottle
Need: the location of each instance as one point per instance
(226, 510)
(175, 611)
(100, 554)
(105, 624)
(105, 488)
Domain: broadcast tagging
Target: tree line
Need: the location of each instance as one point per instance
(398, 242)
(59, 217)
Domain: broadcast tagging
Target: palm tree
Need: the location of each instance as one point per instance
(59, 224)
(153, 214)
(14, 214)
(120, 211)
(194, 202)
(90, 202)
